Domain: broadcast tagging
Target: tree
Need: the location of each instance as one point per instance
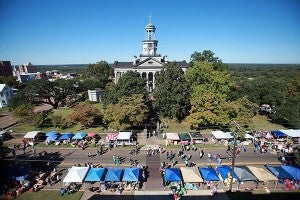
(85, 114)
(204, 56)
(52, 93)
(209, 103)
(129, 111)
(129, 84)
(172, 93)
(24, 112)
(97, 75)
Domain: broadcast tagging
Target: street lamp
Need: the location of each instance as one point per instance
(237, 126)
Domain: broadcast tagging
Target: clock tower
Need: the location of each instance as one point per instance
(150, 43)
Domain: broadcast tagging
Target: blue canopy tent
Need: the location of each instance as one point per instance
(95, 175)
(209, 174)
(279, 172)
(66, 136)
(278, 134)
(51, 138)
(293, 171)
(131, 174)
(79, 136)
(113, 175)
(224, 171)
(51, 133)
(172, 175)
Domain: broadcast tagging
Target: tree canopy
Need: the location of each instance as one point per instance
(129, 84)
(172, 93)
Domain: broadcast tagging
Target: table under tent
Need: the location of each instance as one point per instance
(286, 174)
(131, 177)
(225, 174)
(191, 178)
(172, 138)
(264, 176)
(209, 176)
(95, 175)
(244, 175)
(74, 179)
(172, 176)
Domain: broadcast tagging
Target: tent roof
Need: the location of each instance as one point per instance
(79, 136)
(293, 171)
(196, 135)
(244, 174)
(32, 134)
(191, 174)
(221, 135)
(209, 174)
(279, 172)
(278, 133)
(66, 136)
(51, 133)
(262, 174)
(76, 175)
(131, 174)
(95, 174)
(224, 170)
(113, 174)
(124, 135)
(51, 138)
(172, 136)
(172, 174)
(184, 136)
(111, 136)
(291, 133)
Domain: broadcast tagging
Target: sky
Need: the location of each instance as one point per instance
(46, 32)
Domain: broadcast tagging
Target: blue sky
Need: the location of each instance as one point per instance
(87, 31)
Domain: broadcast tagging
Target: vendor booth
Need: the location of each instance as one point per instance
(263, 175)
(279, 172)
(294, 171)
(124, 138)
(172, 176)
(197, 137)
(220, 135)
(34, 136)
(76, 175)
(79, 136)
(225, 174)
(113, 175)
(172, 138)
(95, 175)
(243, 174)
(191, 177)
(185, 138)
(110, 139)
(131, 178)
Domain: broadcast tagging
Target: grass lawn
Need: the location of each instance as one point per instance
(44, 194)
(262, 122)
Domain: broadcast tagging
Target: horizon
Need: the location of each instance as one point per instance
(49, 32)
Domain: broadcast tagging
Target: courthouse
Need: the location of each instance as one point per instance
(148, 63)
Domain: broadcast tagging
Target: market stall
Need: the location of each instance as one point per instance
(244, 175)
(191, 177)
(34, 136)
(263, 175)
(172, 138)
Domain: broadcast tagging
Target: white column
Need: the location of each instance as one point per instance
(147, 76)
(153, 81)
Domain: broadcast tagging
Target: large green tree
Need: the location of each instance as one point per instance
(97, 75)
(52, 93)
(171, 93)
(129, 84)
(129, 111)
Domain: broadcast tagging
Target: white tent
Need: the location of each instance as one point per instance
(191, 175)
(248, 136)
(292, 133)
(124, 135)
(76, 175)
(31, 134)
(221, 135)
(172, 136)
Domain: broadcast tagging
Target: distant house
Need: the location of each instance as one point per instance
(95, 95)
(6, 93)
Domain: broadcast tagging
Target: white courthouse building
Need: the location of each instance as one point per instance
(148, 63)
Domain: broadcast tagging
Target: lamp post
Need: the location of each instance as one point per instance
(233, 154)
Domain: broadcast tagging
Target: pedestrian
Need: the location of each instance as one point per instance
(33, 151)
(13, 153)
(219, 161)
(49, 181)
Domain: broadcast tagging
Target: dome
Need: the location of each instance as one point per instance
(150, 26)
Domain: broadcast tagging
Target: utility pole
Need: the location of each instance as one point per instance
(237, 126)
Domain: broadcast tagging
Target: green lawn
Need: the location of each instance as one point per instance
(44, 194)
